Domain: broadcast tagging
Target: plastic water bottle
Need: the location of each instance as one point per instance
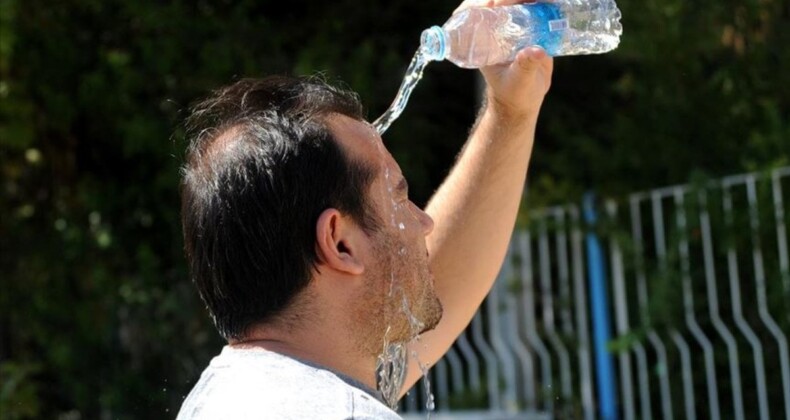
(483, 36)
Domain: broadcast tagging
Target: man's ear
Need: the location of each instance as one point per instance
(338, 242)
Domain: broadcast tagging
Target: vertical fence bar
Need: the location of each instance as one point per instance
(688, 305)
(580, 298)
(548, 312)
(457, 370)
(492, 366)
(740, 321)
(680, 343)
(621, 314)
(713, 307)
(509, 399)
(685, 362)
(513, 338)
(442, 385)
(562, 264)
(528, 300)
(472, 361)
(762, 301)
(641, 288)
(603, 362)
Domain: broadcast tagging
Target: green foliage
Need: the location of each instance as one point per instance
(18, 393)
(97, 315)
(470, 398)
(693, 86)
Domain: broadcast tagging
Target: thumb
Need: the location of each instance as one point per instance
(529, 59)
(534, 65)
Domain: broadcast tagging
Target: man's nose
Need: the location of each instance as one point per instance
(426, 221)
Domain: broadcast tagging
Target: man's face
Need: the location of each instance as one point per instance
(400, 300)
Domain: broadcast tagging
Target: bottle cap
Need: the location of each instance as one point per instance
(433, 43)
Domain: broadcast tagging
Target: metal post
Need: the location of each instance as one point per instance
(605, 379)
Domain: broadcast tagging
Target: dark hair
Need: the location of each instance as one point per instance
(261, 167)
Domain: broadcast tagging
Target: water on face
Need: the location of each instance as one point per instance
(392, 363)
(410, 80)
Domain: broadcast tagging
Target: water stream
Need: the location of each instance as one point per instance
(410, 80)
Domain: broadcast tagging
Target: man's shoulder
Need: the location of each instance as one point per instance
(262, 384)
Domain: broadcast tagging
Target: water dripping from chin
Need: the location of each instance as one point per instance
(391, 368)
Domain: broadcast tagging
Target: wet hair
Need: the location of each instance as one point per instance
(261, 166)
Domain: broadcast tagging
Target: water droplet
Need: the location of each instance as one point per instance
(430, 405)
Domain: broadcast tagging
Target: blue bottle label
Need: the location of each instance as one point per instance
(549, 25)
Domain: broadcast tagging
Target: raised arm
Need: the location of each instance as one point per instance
(475, 209)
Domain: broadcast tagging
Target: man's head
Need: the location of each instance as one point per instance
(268, 160)
(397, 298)
(261, 166)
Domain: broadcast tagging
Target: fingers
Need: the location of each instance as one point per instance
(472, 3)
(519, 87)
(488, 3)
(530, 57)
(509, 2)
(527, 60)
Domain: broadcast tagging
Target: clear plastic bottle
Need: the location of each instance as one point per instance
(482, 36)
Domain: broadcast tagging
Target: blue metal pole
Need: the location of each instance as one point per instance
(605, 379)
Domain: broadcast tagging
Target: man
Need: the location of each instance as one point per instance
(311, 258)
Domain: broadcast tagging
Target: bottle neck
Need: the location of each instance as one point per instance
(433, 43)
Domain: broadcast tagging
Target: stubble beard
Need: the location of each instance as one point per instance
(399, 304)
(402, 301)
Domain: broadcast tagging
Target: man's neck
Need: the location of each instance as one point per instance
(326, 347)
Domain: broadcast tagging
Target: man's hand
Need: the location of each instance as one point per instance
(516, 90)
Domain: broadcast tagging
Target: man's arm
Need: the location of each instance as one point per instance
(475, 209)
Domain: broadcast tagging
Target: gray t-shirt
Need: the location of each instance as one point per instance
(260, 384)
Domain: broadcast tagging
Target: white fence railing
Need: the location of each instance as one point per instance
(697, 298)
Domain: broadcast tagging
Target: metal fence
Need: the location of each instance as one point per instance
(670, 303)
